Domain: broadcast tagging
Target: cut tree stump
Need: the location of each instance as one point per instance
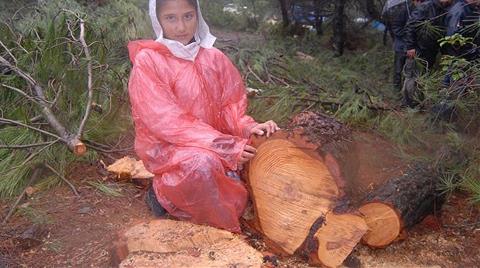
(400, 203)
(294, 194)
(169, 243)
(307, 182)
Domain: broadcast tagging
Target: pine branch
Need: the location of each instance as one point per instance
(36, 173)
(89, 80)
(26, 146)
(74, 190)
(72, 141)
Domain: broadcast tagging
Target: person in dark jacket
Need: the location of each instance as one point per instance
(425, 26)
(396, 17)
(463, 18)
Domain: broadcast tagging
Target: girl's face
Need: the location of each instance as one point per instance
(179, 20)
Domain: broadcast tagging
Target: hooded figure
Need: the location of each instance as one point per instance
(188, 105)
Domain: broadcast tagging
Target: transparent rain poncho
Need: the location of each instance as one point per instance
(189, 113)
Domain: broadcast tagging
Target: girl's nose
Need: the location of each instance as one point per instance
(181, 27)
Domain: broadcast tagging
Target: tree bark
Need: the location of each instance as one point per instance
(372, 10)
(284, 4)
(318, 18)
(400, 203)
(339, 27)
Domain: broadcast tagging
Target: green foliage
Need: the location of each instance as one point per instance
(238, 14)
(455, 40)
(352, 86)
(292, 82)
(109, 190)
(41, 37)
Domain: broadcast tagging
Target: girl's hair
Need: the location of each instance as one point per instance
(193, 3)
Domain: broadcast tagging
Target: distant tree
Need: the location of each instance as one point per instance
(284, 4)
(339, 27)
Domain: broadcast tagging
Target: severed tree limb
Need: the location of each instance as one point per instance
(74, 190)
(36, 173)
(8, 51)
(31, 156)
(72, 141)
(21, 92)
(13, 122)
(25, 146)
(89, 79)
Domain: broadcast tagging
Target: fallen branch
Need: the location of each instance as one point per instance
(36, 173)
(330, 102)
(74, 190)
(255, 75)
(89, 79)
(73, 142)
(31, 156)
(25, 146)
(13, 122)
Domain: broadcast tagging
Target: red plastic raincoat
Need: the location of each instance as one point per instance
(191, 128)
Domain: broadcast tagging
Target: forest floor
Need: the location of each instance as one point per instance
(55, 228)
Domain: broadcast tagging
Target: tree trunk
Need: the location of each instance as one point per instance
(400, 203)
(318, 18)
(294, 195)
(372, 10)
(284, 4)
(307, 182)
(339, 27)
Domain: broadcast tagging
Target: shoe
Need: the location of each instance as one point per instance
(153, 204)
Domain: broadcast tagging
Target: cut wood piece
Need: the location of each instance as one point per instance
(291, 187)
(400, 203)
(337, 238)
(172, 243)
(79, 149)
(129, 168)
(384, 224)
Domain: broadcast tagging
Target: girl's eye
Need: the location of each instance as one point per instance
(170, 18)
(189, 16)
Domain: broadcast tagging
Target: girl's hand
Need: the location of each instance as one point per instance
(267, 128)
(247, 154)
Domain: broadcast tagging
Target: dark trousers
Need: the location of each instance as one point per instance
(429, 57)
(399, 62)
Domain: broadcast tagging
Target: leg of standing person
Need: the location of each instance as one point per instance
(399, 62)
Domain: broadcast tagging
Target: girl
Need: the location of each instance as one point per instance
(188, 105)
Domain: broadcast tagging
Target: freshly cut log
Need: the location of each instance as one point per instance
(384, 224)
(292, 190)
(337, 238)
(400, 203)
(169, 243)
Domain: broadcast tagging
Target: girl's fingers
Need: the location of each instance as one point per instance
(259, 132)
(249, 148)
(248, 155)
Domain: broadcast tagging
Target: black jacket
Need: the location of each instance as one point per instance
(396, 19)
(419, 33)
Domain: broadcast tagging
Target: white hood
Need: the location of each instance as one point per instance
(203, 38)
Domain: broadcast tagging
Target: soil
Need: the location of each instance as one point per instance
(55, 228)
